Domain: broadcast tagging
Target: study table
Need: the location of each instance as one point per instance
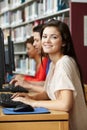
(55, 120)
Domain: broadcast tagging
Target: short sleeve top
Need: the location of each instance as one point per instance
(63, 75)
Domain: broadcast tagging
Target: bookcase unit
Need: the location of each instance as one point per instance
(17, 18)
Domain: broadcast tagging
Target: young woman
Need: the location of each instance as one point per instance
(37, 43)
(41, 65)
(63, 85)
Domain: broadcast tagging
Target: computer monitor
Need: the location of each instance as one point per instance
(2, 59)
(7, 64)
(9, 57)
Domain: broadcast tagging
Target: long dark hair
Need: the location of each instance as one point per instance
(68, 48)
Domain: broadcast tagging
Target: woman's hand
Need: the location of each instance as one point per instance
(23, 83)
(23, 97)
(17, 78)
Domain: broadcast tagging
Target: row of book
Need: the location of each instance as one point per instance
(25, 65)
(48, 5)
(19, 34)
(26, 30)
(8, 4)
(5, 20)
(31, 11)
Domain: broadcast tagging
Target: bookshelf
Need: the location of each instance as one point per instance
(21, 15)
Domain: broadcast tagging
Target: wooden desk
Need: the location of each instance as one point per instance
(56, 120)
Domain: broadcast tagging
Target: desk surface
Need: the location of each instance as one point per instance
(54, 115)
(55, 120)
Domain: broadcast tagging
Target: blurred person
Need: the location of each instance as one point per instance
(37, 43)
(41, 65)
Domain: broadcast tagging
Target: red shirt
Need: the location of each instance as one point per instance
(41, 73)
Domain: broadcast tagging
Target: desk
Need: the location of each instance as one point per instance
(56, 120)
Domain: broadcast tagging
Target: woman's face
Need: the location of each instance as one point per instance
(31, 51)
(37, 41)
(51, 40)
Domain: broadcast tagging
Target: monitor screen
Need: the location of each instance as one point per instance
(9, 57)
(7, 64)
(2, 59)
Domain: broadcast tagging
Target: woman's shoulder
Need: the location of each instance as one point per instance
(67, 62)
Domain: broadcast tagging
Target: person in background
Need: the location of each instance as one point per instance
(41, 65)
(37, 38)
(63, 88)
(34, 85)
(37, 43)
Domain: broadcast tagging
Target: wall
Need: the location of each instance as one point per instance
(78, 10)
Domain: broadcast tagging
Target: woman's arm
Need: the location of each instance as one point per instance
(31, 86)
(16, 78)
(63, 101)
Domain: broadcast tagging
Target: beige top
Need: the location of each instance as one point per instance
(65, 75)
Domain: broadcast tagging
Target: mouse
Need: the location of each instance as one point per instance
(23, 108)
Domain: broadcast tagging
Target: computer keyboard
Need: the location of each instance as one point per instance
(6, 101)
(12, 88)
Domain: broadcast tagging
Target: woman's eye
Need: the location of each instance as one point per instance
(55, 37)
(51, 37)
(44, 36)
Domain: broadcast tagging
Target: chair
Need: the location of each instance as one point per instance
(85, 88)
